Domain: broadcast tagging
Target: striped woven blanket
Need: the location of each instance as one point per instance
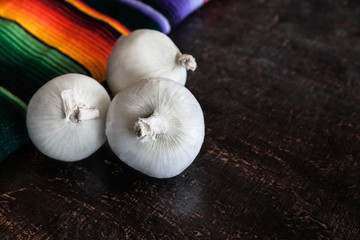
(42, 39)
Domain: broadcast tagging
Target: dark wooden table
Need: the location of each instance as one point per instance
(279, 84)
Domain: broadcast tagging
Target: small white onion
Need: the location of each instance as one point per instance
(155, 126)
(146, 53)
(66, 117)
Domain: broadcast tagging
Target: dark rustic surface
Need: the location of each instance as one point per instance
(279, 83)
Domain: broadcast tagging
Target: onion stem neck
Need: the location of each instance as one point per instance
(187, 61)
(147, 129)
(75, 110)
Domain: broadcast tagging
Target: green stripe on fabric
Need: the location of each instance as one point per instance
(26, 63)
(131, 18)
(12, 123)
(11, 97)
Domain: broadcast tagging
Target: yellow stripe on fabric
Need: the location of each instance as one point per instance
(97, 15)
(58, 27)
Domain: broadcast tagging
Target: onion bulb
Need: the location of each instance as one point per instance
(143, 54)
(155, 126)
(66, 117)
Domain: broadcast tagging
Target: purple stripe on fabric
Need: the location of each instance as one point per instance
(175, 11)
(147, 10)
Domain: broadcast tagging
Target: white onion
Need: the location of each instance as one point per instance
(143, 54)
(66, 117)
(155, 126)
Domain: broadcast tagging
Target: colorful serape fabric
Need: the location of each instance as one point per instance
(42, 39)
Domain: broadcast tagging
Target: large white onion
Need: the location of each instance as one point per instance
(146, 53)
(155, 126)
(66, 117)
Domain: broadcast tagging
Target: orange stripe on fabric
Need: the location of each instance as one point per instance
(95, 14)
(62, 30)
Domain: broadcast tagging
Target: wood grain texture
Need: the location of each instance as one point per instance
(279, 84)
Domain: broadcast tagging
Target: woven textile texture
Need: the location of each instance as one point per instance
(42, 39)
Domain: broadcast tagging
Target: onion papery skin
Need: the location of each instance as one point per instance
(61, 139)
(171, 152)
(143, 54)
